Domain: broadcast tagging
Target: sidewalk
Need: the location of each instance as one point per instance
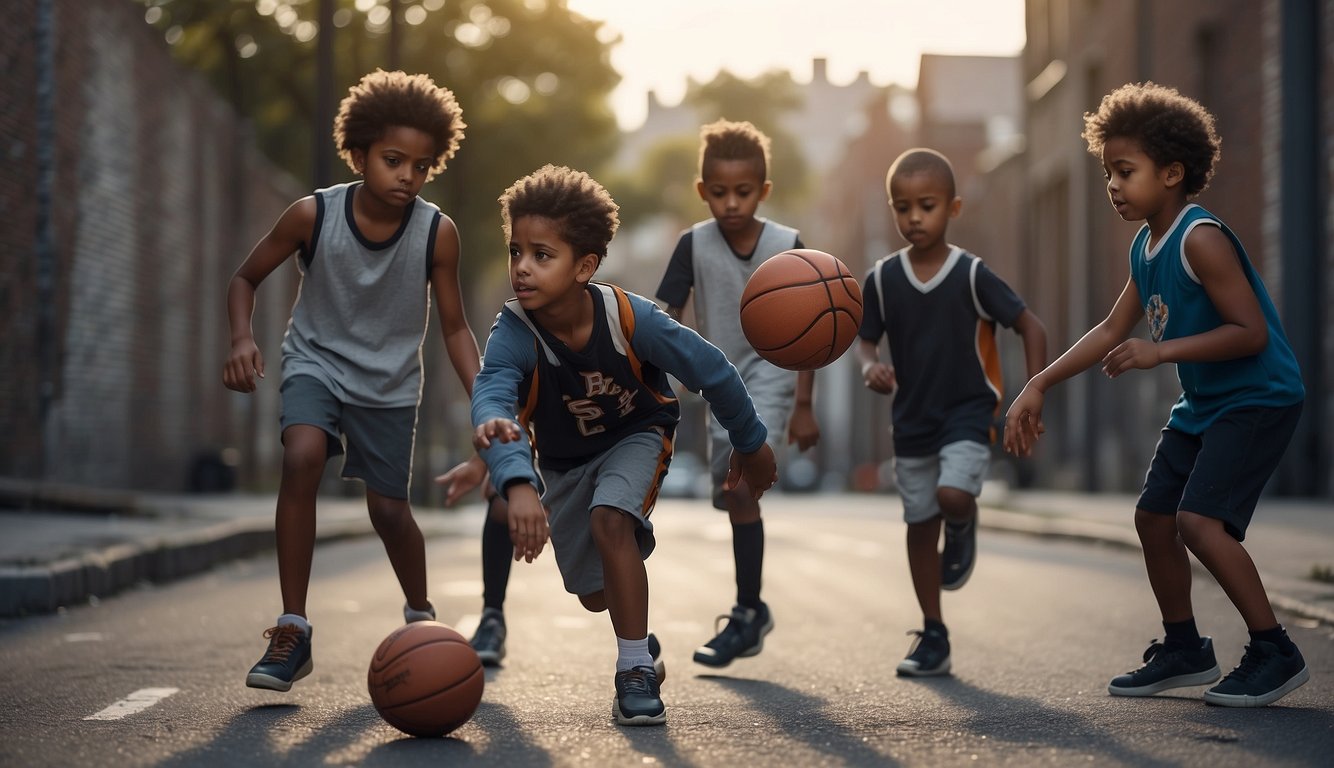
(64, 546)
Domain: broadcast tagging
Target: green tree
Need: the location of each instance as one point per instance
(533, 78)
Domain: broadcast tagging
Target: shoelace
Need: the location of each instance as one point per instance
(283, 639)
(1251, 661)
(636, 681)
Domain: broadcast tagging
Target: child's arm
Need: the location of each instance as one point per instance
(1034, 336)
(1023, 422)
(1243, 331)
(292, 229)
(802, 427)
(460, 342)
(878, 376)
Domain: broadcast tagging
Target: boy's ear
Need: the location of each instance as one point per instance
(955, 206)
(1174, 174)
(699, 189)
(766, 189)
(586, 267)
(359, 161)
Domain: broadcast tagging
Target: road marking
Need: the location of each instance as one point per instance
(83, 637)
(136, 702)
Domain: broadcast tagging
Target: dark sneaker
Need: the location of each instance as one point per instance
(411, 614)
(929, 655)
(743, 636)
(655, 650)
(489, 639)
(286, 661)
(1167, 667)
(959, 554)
(637, 699)
(1263, 677)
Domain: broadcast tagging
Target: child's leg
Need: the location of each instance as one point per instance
(1167, 564)
(956, 505)
(924, 566)
(625, 585)
(1231, 565)
(393, 521)
(743, 512)
(497, 551)
(305, 450)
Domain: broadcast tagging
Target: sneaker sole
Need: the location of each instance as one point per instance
(1264, 699)
(910, 669)
(271, 683)
(637, 720)
(491, 658)
(959, 582)
(1180, 681)
(701, 657)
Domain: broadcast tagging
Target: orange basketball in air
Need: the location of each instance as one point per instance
(801, 309)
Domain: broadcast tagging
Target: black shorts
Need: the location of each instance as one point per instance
(1220, 473)
(379, 440)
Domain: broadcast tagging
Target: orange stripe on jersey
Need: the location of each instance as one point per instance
(627, 313)
(988, 356)
(659, 472)
(530, 402)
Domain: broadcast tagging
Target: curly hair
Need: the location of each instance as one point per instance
(1168, 127)
(583, 210)
(383, 100)
(728, 140)
(922, 160)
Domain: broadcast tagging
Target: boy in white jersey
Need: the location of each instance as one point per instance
(713, 260)
(1242, 393)
(371, 253)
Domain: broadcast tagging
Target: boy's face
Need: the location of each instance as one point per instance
(1137, 187)
(734, 190)
(396, 166)
(922, 207)
(544, 269)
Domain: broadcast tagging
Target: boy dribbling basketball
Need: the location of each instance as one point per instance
(713, 260)
(371, 254)
(938, 307)
(581, 369)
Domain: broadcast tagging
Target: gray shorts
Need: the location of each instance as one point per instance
(962, 464)
(625, 477)
(379, 440)
(773, 397)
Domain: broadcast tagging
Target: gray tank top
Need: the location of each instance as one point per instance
(363, 307)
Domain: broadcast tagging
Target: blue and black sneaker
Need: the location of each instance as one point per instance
(959, 554)
(286, 661)
(489, 638)
(638, 701)
(1168, 666)
(742, 636)
(929, 655)
(1263, 677)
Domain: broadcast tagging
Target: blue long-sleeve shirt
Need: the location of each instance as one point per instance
(575, 404)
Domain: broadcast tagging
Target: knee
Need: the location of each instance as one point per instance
(386, 512)
(954, 502)
(1196, 529)
(594, 601)
(304, 456)
(610, 526)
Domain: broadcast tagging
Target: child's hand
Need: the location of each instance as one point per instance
(879, 377)
(504, 430)
(462, 478)
(757, 470)
(802, 428)
(1129, 354)
(243, 364)
(528, 521)
(1023, 422)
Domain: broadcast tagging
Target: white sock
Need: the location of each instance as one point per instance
(296, 621)
(411, 614)
(632, 653)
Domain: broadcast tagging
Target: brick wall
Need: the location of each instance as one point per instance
(157, 196)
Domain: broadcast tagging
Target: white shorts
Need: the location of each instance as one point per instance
(962, 464)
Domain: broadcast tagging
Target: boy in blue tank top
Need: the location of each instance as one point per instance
(1242, 393)
(372, 256)
(712, 261)
(576, 374)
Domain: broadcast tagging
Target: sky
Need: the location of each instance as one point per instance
(666, 41)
